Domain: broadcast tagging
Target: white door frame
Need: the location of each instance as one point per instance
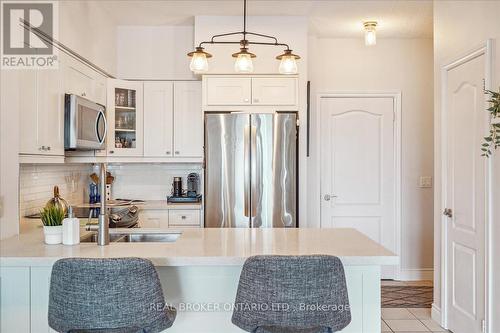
(396, 96)
(486, 50)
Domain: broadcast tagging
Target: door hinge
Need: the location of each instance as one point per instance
(484, 84)
(1, 206)
(483, 326)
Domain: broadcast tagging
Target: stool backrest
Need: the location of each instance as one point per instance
(88, 294)
(299, 292)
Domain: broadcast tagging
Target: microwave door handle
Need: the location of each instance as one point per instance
(101, 115)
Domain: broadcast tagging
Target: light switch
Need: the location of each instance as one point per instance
(425, 182)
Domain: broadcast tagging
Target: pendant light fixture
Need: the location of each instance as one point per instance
(370, 33)
(243, 62)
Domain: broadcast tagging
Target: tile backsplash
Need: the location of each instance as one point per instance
(148, 181)
(37, 183)
(132, 181)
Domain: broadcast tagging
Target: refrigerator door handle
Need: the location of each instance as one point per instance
(246, 163)
(255, 172)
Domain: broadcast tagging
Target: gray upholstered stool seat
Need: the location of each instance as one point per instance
(121, 295)
(292, 294)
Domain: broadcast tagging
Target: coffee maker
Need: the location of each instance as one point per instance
(191, 195)
(193, 181)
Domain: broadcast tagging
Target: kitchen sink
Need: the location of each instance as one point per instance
(169, 237)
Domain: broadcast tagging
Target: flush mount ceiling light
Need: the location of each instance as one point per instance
(243, 63)
(370, 33)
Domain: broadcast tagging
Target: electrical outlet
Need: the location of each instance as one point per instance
(425, 182)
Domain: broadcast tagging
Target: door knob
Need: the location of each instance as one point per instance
(327, 197)
(448, 212)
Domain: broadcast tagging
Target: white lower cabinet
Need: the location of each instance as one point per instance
(183, 218)
(39, 293)
(153, 218)
(15, 299)
(170, 218)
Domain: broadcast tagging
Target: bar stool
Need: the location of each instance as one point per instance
(121, 295)
(292, 294)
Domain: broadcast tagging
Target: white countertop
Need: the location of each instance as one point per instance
(154, 204)
(200, 247)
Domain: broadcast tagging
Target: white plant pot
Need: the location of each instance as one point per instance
(53, 234)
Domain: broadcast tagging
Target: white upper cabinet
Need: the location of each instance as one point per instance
(125, 118)
(29, 135)
(82, 81)
(51, 110)
(228, 91)
(188, 119)
(173, 120)
(158, 119)
(41, 112)
(274, 91)
(223, 92)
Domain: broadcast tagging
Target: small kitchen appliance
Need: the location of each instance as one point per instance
(189, 196)
(84, 124)
(193, 181)
(177, 187)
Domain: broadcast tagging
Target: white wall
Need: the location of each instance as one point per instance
(340, 65)
(154, 52)
(460, 26)
(87, 28)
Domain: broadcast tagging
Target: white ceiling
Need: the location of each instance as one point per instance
(327, 18)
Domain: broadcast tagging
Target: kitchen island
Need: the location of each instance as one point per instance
(199, 272)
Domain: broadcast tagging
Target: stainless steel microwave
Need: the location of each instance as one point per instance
(84, 124)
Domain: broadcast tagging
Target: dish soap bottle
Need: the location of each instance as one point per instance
(71, 229)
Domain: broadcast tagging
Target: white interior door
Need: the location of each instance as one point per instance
(358, 168)
(465, 195)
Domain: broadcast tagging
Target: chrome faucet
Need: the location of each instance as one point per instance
(103, 232)
(103, 226)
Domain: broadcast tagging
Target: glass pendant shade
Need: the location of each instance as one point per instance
(243, 63)
(370, 33)
(288, 62)
(199, 63)
(288, 65)
(199, 60)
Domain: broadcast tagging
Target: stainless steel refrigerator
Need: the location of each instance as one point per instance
(250, 170)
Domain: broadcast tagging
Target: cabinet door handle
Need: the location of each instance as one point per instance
(84, 94)
(183, 217)
(48, 148)
(177, 152)
(246, 100)
(168, 152)
(111, 151)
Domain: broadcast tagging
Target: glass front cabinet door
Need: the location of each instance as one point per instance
(125, 118)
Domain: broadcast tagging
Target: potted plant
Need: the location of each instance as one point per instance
(492, 141)
(52, 217)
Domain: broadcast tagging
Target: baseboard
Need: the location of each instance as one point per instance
(416, 274)
(436, 314)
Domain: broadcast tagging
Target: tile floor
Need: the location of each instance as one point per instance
(408, 320)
